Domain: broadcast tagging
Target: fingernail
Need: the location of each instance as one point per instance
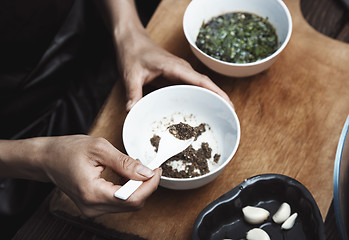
(144, 171)
(129, 105)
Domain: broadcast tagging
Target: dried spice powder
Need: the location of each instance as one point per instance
(195, 162)
(238, 37)
(155, 142)
(184, 131)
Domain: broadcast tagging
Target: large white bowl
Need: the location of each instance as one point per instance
(199, 11)
(170, 104)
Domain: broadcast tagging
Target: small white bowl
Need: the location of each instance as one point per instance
(195, 105)
(199, 11)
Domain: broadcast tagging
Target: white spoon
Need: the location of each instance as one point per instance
(169, 146)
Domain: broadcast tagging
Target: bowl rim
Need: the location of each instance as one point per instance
(276, 53)
(338, 176)
(224, 102)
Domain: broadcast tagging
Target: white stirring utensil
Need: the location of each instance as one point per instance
(169, 146)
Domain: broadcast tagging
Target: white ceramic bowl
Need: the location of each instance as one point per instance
(199, 11)
(169, 105)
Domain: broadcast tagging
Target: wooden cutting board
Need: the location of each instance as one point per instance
(291, 117)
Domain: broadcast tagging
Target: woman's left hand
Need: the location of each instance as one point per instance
(141, 61)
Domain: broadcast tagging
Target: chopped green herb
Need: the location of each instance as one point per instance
(238, 37)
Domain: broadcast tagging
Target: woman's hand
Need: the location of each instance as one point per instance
(140, 60)
(74, 164)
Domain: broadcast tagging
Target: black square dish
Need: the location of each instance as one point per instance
(223, 218)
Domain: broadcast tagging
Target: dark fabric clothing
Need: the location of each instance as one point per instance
(27, 29)
(57, 66)
(59, 92)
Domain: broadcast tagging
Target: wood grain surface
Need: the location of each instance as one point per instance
(291, 117)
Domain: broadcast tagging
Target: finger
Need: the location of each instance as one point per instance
(134, 87)
(185, 73)
(145, 190)
(127, 167)
(105, 192)
(101, 200)
(107, 155)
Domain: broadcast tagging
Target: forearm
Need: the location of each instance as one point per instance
(122, 19)
(21, 159)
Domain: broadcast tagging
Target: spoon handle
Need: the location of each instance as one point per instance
(167, 140)
(127, 189)
(131, 186)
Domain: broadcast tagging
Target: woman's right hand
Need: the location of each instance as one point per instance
(74, 164)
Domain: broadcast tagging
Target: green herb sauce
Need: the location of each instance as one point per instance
(238, 37)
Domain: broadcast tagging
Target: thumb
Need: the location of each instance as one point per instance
(134, 87)
(126, 166)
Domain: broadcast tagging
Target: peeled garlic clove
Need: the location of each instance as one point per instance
(255, 215)
(257, 234)
(288, 224)
(283, 213)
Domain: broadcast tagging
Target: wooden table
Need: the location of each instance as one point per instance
(291, 117)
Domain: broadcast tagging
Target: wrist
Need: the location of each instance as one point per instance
(22, 159)
(129, 39)
(122, 19)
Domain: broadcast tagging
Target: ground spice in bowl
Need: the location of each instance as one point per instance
(194, 162)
